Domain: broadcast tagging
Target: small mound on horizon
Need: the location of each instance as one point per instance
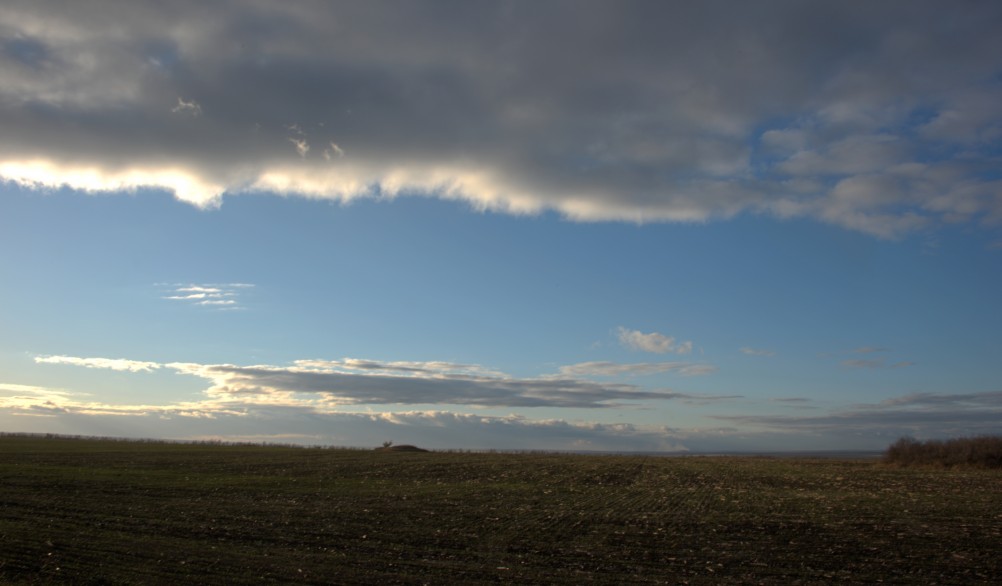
(403, 448)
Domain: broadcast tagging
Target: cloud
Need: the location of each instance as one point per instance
(352, 382)
(190, 108)
(756, 351)
(881, 120)
(652, 342)
(333, 151)
(101, 363)
(308, 426)
(302, 147)
(870, 350)
(216, 296)
(346, 388)
(19, 388)
(310, 402)
(878, 363)
(924, 400)
(796, 400)
(32, 399)
(304, 403)
(917, 414)
(431, 368)
(602, 368)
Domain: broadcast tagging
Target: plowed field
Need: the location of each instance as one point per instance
(105, 512)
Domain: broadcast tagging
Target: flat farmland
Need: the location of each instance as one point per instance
(109, 512)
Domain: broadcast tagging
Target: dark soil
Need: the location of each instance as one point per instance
(101, 512)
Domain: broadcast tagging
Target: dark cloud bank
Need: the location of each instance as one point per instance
(882, 117)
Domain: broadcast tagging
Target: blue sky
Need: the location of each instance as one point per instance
(504, 225)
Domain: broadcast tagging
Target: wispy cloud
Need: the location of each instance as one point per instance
(799, 403)
(652, 342)
(190, 108)
(757, 351)
(27, 399)
(920, 414)
(870, 362)
(302, 147)
(333, 151)
(430, 369)
(215, 296)
(875, 364)
(683, 137)
(870, 350)
(601, 368)
(935, 400)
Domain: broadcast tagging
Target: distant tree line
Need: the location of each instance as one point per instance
(974, 452)
(140, 440)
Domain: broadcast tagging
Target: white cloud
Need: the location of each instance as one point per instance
(101, 363)
(218, 296)
(187, 184)
(647, 125)
(26, 398)
(19, 388)
(652, 342)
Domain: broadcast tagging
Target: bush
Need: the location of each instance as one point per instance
(975, 452)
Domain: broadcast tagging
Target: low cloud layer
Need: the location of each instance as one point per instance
(917, 414)
(332, 383)
(307, 425)
(882, 118)
(311, 402)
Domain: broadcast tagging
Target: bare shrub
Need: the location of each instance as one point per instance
(975, 452)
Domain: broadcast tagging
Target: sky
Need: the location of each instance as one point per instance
(527, 225)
